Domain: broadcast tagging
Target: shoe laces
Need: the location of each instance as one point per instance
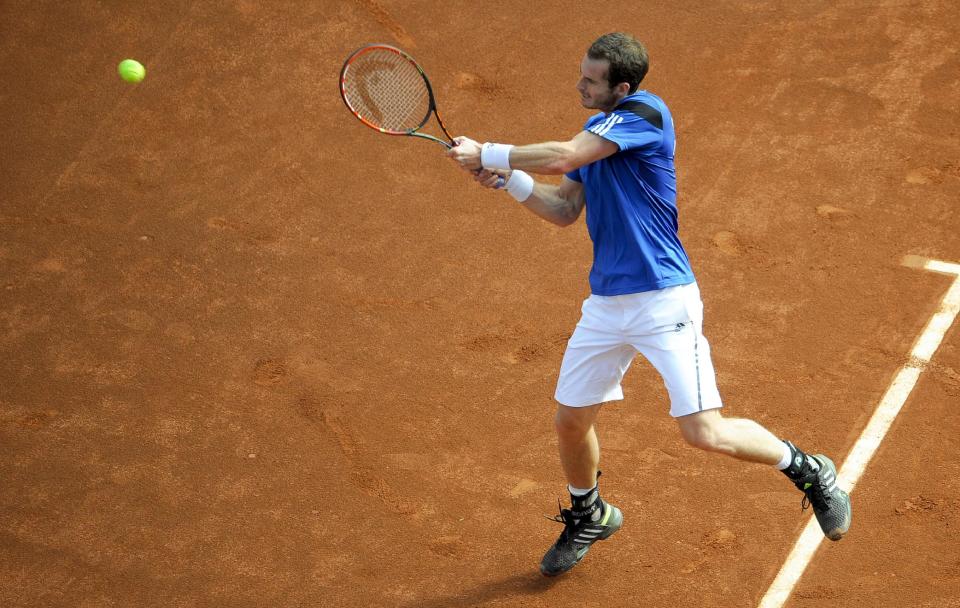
(566, 518)
(816, 494)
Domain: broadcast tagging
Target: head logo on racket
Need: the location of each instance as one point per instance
(387, 90)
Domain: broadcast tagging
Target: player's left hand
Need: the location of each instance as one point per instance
(465, 153)
(491, 179)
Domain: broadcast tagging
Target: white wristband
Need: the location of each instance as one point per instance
(495, 156)
(520, 185)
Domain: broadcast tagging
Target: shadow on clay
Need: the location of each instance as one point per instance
(532, 583)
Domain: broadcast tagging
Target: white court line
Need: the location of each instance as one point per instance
(863, 450)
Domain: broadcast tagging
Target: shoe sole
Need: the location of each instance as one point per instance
(836, 533)
(613, 524)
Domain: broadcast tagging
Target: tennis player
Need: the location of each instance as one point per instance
(644, 297)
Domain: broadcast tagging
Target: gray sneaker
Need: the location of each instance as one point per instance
(576, 538)
(830, 504)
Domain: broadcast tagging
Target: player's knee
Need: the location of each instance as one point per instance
(702, 436)
(571, 424)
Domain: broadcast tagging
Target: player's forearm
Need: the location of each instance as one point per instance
(546, 202)
(547, 158)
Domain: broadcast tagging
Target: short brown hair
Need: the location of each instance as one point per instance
(628, 58)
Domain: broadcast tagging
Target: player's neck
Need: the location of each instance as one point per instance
(617, 100)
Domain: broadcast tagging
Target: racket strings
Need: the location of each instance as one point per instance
(387, 90)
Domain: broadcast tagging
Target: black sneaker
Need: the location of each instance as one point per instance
(830, 504)
(576, 538)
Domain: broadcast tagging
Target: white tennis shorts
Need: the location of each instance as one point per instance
(666, 326)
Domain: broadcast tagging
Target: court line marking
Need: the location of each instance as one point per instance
(871, 437)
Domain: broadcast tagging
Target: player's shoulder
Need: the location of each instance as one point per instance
(643, 105)
(593, 120)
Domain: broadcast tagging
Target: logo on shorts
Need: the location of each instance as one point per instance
(680, 326)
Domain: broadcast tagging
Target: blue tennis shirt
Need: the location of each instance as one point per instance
(631, 201)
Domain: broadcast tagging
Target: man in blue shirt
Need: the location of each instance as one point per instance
(644, 297)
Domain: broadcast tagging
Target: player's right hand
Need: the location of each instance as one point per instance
(466, 153)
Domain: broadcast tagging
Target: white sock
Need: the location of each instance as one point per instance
(786, 459)
(578, 491)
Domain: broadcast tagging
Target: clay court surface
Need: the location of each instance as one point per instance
(256, 354)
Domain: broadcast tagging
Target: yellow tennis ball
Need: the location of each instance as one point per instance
(131, 70)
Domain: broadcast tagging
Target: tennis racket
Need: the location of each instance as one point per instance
(387, 90)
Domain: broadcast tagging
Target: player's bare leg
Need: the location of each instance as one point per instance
(590, 518)
(815, 475)
(743, 439)
(578, 444)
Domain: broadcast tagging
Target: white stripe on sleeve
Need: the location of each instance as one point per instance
(605, 126)
(600, 126)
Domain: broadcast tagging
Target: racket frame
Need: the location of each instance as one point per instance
(432, 105)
